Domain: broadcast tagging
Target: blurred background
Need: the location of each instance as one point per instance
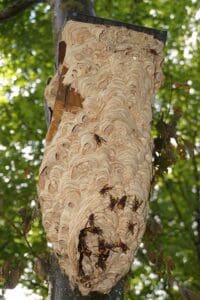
(167, 265)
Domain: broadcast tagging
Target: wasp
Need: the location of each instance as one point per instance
(92, 228)
(91, 220)
(82, 234)
(99, 139)
(123, 246)
(103, 254)
(81, 272)
(113, 202)
(136, 204)
(131, 227)
(122, 202)
(101, 245)
(95, 230)
(153, 51)
(101, 262)
(105, 189)
(82, 247)
(102, 248)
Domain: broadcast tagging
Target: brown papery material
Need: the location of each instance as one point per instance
(95, 176)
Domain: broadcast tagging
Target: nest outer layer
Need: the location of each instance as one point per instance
(94, 180)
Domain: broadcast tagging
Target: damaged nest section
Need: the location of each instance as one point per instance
(95, 176)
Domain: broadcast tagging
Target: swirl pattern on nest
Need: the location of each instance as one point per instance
(95, 176)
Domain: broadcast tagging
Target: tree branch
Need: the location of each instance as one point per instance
(15, 8)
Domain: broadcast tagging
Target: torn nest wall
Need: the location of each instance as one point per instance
(96, 171)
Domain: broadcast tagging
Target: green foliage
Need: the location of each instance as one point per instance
(167, 265)
(26, 62)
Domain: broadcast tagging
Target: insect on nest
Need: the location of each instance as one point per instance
(105, 189)
(113, 202)
(131, 227)
(92, 228)
(136, 204)
(122, 202)
(99, 140)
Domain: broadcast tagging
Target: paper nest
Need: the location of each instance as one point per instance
(95, 175)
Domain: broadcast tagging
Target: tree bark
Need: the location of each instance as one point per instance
(59, 286)
(61, 10)
(60, 289)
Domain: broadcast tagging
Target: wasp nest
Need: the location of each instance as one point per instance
(95, 176)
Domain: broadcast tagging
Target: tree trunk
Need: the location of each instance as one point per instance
(59, 286)
(61, 10)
